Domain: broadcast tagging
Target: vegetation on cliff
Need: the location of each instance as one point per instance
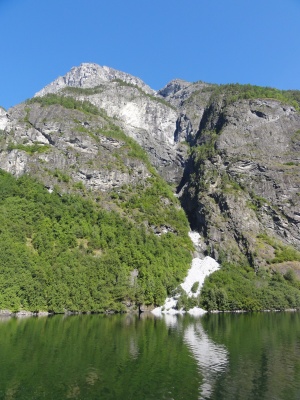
(235, 91)
(65, 101)
(64, 252)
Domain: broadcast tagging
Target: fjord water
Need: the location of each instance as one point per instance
(220, 356)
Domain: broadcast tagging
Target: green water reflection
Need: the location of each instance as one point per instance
(123, 357)
(94, 357)
(264, 355)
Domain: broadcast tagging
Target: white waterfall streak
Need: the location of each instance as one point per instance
(200, 269)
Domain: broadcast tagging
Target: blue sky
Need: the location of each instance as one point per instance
(217, 41)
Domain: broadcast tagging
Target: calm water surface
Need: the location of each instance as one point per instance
(249, 356)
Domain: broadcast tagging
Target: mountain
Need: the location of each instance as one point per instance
(230, 152)
(138, 110)
(242, 179)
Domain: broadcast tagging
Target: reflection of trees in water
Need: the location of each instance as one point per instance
(217, 357)
(264, 351)
(212, 358)
(242, 356)
(94, 356)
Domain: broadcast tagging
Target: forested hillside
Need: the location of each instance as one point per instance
(65, 253)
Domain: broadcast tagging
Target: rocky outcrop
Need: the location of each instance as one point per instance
(191, 100)
(246, 179)
(134, 106)
(90, 75)
(67, 148)
(148, 121)
(4, 119)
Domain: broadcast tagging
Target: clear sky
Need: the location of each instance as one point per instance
(217, 41)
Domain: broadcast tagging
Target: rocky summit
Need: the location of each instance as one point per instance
(231, 154)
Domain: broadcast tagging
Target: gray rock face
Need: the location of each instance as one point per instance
(249, 181)
(134, 106)
(70, 149)
(89, 75)
(146, 120)
(178, 86)
(260, 140)
(4, 119)
(191, 99)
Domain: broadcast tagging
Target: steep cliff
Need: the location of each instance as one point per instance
(232, 152)
(242, 183)
(240, 189)
(137, 109)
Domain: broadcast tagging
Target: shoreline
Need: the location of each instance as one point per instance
(23, 314)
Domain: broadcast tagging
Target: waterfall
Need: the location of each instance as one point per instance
(199, 270)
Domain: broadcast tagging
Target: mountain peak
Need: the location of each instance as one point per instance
(174, 86)
(88, 75)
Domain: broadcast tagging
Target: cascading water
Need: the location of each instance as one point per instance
(200, 269)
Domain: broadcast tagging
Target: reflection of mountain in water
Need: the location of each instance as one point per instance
(212, 358)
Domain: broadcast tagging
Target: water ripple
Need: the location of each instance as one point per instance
(211, 358)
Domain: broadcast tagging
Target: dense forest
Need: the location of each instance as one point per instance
(66, 253)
